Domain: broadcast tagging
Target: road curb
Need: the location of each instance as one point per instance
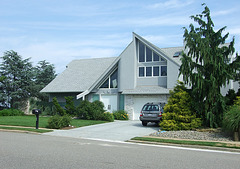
(187, 146)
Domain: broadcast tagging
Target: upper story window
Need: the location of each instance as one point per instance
(141, 48)
(145, 54)
(152, 71)
(112, 81)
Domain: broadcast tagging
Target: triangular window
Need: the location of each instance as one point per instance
(112, 81)
(145, 54)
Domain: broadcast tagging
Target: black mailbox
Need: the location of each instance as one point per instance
(36, 111)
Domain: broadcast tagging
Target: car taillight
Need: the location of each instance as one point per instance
(141, 114)
(160, 114)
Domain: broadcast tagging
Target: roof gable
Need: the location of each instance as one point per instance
(166, 53)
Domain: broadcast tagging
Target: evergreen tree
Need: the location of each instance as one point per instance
(16, 77)
(205, 66)
(44, 73)
(178, 114)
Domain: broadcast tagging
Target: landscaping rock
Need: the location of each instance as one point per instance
(215, 135)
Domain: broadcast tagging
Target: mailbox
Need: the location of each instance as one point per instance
(36, 111)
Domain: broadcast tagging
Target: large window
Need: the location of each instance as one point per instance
(112, 81)
(145, 54)
(152, 71)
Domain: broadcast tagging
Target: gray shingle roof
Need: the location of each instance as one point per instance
(171, 51)
(147, 90)
(79, 75)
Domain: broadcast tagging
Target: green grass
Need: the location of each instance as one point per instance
(187, 142)
(30, 121)
(25, 129)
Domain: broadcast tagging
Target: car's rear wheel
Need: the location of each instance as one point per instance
(144, 123)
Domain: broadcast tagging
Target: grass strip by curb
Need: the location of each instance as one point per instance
(26, 129)
(188, 142)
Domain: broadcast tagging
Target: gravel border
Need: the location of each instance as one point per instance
(194, 135)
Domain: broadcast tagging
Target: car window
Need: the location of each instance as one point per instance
(151, 108)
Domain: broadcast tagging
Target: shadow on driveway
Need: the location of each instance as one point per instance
(114, 131)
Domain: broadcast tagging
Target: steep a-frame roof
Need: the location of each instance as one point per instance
(79, 75)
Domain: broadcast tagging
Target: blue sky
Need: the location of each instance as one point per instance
(62, 30)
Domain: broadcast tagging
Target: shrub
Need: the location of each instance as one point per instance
(84, 110)
(58, 108)
(97, 110)
(178, 114)
(70, 108)
(107, 117)
(90, 111)
(57, 122)
(120, 115)
(11, 112)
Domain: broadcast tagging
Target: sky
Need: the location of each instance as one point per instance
(60, 31)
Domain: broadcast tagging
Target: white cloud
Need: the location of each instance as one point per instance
(171, 4)
(223, 12)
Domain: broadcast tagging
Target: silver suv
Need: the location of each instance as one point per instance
(151, 112)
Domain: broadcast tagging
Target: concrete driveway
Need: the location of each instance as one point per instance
(115, 131)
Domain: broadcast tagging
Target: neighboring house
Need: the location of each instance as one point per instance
(142, 73)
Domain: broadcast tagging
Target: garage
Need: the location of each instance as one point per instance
(134, 103)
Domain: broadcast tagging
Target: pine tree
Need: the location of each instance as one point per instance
(178, 114)
(206, 68)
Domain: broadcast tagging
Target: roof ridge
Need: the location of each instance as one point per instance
(111, 57)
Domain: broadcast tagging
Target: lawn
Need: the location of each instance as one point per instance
(30, 121)
(188, 142)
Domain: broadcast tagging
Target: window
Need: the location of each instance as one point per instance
(145, 54)
(152, 71)
(148, 54)
(162, 59)
(141, 72)
(156, 71)
(112, 81)
(163, 70)
(105, 84)
(155, 57)
(141, 52)
(176, 54)
(148, 71)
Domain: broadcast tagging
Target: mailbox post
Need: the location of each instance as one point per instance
(36, 112)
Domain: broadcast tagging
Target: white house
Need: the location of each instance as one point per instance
(141, 73)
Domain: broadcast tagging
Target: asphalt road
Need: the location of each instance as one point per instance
(21, 150)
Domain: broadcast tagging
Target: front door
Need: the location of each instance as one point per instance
(110, 102)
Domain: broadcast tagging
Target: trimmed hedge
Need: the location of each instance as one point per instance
(11, 112)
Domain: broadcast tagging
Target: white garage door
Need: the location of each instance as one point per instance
(139, 101)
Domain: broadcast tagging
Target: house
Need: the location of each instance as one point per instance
(142, 73)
